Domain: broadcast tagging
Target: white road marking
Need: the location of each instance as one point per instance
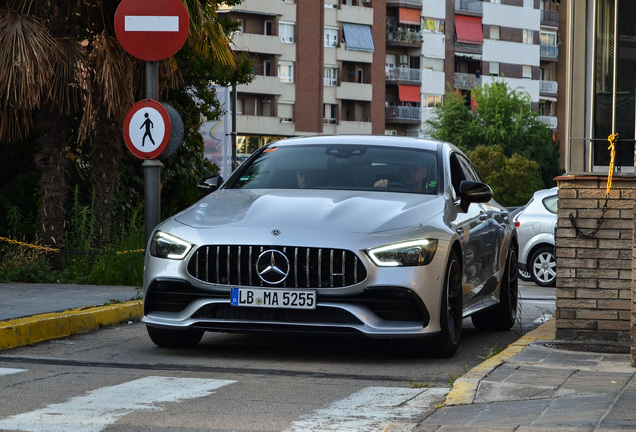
(10, 371)
(371, 409)
(101, 407)
(140, 23)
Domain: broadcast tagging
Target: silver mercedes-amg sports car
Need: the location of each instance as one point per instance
(386, 237)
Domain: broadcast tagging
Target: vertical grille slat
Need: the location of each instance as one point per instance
(308, 267)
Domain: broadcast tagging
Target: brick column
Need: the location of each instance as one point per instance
(594, 275)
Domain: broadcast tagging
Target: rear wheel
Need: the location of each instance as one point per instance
(504, 315)
(174, 338)
(451, 311)
(542, 266)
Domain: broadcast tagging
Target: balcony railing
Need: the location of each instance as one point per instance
(549, 51)
(403, 74)
(549, 15)
(549, 120)
(403, 113)
(548, 87)
(469, 5)
(404, 35)
(466, 80)
(410, 2)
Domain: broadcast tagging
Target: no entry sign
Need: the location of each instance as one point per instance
(152, 30)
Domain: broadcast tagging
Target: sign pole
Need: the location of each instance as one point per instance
(152, 167)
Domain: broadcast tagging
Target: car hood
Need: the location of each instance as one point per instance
(340, 211)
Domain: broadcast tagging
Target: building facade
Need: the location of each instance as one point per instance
(382, 66)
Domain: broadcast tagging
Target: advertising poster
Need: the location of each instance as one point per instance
(217, 136)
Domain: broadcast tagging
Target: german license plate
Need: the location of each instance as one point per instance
(257, 297)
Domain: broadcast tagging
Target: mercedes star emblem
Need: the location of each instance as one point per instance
(272, 266)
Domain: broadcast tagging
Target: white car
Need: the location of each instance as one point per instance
(536, 223)
(385, 237)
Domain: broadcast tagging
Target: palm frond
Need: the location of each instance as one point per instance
(207, 36)
(26, 71)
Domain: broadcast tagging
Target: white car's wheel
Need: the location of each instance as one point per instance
(542, 266)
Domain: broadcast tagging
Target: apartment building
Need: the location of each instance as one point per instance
(382, 66)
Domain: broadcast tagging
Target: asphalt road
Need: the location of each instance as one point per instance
(115, 379)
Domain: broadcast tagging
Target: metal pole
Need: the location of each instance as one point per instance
(233, 108)
(152, 168)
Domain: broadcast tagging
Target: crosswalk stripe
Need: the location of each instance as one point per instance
(10, 371)
(371, 409)
(101, 407)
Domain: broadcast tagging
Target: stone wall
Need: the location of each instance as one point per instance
(595, 298)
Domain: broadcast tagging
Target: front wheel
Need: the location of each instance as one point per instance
(542, 266)
(504, 315)
(166, 338)
(451, 310)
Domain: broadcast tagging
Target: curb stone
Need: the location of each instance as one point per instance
(56, 325)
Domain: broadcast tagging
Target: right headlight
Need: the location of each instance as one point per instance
(164, 245)
(410, 253)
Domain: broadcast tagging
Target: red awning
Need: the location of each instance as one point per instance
(469, 30)
(410, 16)
(409, 93)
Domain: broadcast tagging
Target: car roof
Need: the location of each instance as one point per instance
(540, 194)
(370, 140)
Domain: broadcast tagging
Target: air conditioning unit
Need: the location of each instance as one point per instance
(404, 59)
(390, 132)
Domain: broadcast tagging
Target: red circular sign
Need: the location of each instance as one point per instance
(147, 129)
(152, 30)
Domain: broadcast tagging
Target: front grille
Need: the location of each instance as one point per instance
(308, 267)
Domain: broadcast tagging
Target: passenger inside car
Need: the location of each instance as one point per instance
(413, 176)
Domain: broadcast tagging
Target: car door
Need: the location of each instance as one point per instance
(478, 233)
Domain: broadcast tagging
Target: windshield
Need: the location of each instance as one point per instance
(346, 167)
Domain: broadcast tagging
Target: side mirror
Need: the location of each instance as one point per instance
(473, 192)
(209, 184)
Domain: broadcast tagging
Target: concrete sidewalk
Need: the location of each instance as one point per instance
(537, 385)
(31, 313)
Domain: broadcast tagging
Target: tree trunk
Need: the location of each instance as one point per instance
(50, 137)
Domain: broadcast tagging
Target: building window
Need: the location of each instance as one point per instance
(433, 25)
(433, 64)
(286, 72)
(239, 106)
(286, 32)
(494, 32)
(331, 76)
(267, 28)
(330, 113)
(331, 36)
(432, 100)
(495, 1)
(527, 72)
(528, 36)
(286, 112)
(494, 68)
(528, 4)
(267, 68)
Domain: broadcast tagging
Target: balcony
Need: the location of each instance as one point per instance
(399, 36)
(469, 6)
(257, 43)
(466, 81)
(263, 125)
(549, 52)
(354, 91)
(355, 14)
(549, 17)
(263, 85)
(402, 114)
(403, 74)
(548, 87)
(549, 120)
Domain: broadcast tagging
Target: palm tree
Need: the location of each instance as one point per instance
(64, 79)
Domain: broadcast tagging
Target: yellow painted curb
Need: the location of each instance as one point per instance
(464, 388)
(43, 327)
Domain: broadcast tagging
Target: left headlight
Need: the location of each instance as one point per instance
(164, 245)
(411, 253)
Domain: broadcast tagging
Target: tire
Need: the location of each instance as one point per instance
(542, 266)
(174, 338)
(503, 316)
(524, 275)
(451, 310)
